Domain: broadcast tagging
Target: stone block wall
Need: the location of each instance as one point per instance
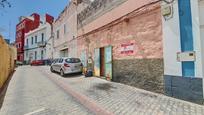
(142, 73)
(186, 88)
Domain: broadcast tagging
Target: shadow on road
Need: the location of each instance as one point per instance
(3, 89)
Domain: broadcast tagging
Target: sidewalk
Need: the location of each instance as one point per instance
(122, 99)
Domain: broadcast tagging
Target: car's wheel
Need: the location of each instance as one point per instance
(62, 73)
(51, 69)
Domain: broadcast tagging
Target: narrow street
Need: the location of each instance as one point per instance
(37, 91)
(113, 57)
(31, 92)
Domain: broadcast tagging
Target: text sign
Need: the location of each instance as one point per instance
(127, 48)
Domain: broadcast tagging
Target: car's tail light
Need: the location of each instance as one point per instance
(66, 65)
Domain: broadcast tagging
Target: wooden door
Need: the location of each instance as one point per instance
(97, 62)
(108, 62)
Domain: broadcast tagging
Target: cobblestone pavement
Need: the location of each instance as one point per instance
(31, 93)
(126, 100)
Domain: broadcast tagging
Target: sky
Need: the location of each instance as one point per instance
(9, 17)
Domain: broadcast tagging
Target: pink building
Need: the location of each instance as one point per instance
(124, 38)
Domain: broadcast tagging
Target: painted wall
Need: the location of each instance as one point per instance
(137, 48)
(201, 19)
(197, 38)
(67, 18)
(24, 26)
(177, 84)
(31, 48)
(114, 14)
(172, 43)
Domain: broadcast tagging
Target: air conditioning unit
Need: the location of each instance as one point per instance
(166, 10)
(41, 44)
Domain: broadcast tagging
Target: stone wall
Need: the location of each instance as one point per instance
(186, 88)
(142, 73)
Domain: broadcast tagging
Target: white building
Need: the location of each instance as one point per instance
(38, 43)
(183, 39)
(65, 31)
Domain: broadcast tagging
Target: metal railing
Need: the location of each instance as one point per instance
(41, 44)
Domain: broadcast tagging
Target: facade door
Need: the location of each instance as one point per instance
(42, 55)
(84, 60)
(97, 62)
(102, 61)
(35, 55)
(64, 53)
(108, 62)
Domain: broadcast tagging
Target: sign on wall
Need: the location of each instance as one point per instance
(127, 48)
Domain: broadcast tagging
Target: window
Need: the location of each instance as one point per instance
(61, 60)
(58, 34)
(56, 61)
(42, 53)
(26, 54)
(72, 60)
(32, 40)
(27, 42)
(36, 39)
(35, 55)
(65, 29)
(42, 35)
(17, 45)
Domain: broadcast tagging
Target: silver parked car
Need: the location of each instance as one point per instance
(66, 66)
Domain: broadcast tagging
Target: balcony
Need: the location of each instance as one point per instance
(41, 44)
(26, 47)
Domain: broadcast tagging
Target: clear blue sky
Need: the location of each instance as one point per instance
(9, 16)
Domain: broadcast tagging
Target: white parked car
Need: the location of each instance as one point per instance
(66, 66)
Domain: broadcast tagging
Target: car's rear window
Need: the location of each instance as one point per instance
(72, 60)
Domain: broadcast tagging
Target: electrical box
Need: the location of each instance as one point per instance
(186, 56)
(166, 10)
